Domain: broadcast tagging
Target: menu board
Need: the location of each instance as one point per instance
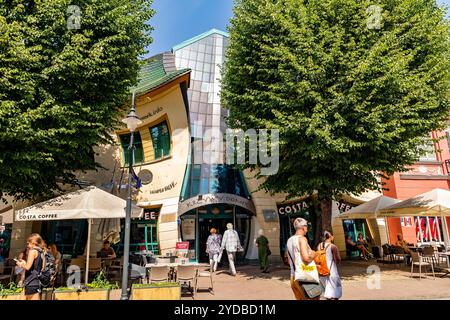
(188, 229)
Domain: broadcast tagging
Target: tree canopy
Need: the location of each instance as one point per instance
(65, 72)
(352, 88)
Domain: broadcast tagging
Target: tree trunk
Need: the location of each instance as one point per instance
(326, 207)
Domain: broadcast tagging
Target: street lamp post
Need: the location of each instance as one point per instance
(132, 121)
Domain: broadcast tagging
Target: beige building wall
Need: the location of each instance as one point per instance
(264, 201)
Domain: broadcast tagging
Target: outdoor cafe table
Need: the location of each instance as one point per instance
(447, 255)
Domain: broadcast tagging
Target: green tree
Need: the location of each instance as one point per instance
(353, 88)
(66, 67)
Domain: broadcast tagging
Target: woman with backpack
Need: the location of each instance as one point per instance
(33, 265)
(332, 281)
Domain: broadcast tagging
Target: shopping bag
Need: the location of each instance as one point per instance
(307, 273)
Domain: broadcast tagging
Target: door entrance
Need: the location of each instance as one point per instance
(205, 225)
(196, 232)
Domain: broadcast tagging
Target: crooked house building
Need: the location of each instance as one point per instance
(187, 188)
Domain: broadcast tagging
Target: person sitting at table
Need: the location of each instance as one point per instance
(111, 254)
(354, 246)
(402, 243)
(362, 245)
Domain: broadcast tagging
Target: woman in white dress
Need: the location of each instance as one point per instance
(332, 282)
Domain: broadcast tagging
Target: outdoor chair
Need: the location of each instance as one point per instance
(187, 276)
(159, 274)
(114, 268)
(428, 255)
(417, 260)
(138, 273)
(79, 262)
(398, 254)
(352, 252)
(95, 265)
(207, 273)
(387, 252)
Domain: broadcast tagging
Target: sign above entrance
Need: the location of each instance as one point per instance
(290, 208)
(207, 199)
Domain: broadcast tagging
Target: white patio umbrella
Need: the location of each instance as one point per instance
(432, 203)
(370, 209)
(89, 203)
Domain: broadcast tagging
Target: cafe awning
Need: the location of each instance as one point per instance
(88, 203)
(433, 203)
(370, 209)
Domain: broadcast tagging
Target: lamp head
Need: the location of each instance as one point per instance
(132, 121)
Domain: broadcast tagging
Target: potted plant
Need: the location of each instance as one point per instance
(10, 292)
(99, 289)
(156, 291)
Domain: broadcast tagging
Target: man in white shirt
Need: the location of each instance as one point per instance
(232, 244)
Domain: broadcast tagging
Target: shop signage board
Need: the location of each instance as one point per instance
(290, 208)
(217, 198)
(345, 206)
(182, 246)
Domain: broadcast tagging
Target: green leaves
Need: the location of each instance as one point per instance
(62, 89)
(351, 101)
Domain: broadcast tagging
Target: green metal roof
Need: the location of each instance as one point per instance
(199, 37)
(153, 74)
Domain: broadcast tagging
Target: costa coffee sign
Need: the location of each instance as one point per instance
(291, 208)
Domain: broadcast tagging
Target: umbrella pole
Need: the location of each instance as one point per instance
(445, 230)
(88, 250)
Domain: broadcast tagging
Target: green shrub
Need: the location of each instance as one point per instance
(12, 288)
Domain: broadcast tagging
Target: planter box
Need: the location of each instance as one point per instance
(12, 296)
(92, 294)
(149, 292)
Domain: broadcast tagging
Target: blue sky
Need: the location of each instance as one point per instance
(179, 20)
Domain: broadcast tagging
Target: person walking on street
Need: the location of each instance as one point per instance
(231, 244)
(332, 282)
(33, 265)
(263, 251)
(213, 248)
(301, 261)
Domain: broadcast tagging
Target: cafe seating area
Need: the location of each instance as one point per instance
(426, 257)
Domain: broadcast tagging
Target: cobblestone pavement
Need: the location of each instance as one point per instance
(394, 283)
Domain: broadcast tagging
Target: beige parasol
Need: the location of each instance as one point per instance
(89, 203)
(432, 203)
(370, 209)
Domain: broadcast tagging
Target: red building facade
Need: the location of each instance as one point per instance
(430, 172)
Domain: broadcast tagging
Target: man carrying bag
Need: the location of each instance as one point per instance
(305, 281)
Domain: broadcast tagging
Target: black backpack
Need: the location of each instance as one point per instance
(47, 274)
